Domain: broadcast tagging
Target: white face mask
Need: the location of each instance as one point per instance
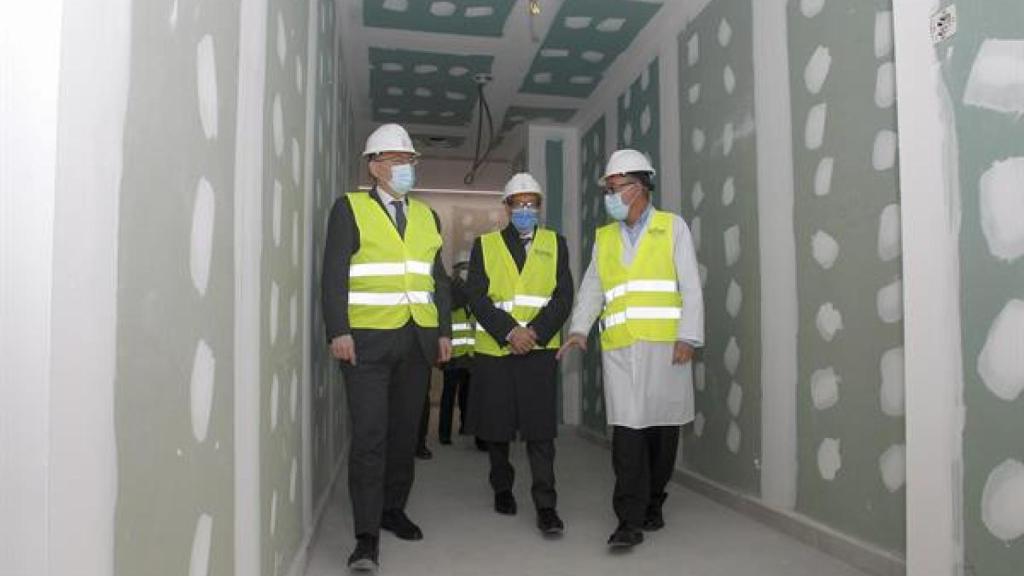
(403, 179)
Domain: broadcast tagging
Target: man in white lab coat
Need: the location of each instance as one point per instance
(644, 284)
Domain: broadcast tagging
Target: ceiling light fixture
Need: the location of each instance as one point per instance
(534, 7)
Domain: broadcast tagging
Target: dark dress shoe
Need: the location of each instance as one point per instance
(481, 445)
(505, 503)
(625, 537)
(365, 557)
(446, 441)
(549, 523)
(424, 453)
(396, 522)
(653, 518)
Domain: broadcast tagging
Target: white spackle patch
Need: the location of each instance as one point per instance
(695, 93)
(693, 50)
(814, 131)
(698, 424)
(1002, 501)
(811, 8)
(1001, 362)
(735, 399)
(728, 138)
(592, 56)
(732, 438)
(816, 71)
(293, 316)
(282, 39)
(825, 388)
(173, 19)
(479, 11)
(424, 68)
(201, 245)
(828, 321)
(697, 139)
(275, 394)
(829, 458)
(276, 213)
(825, 249)
(728, 191)
(610, 25)
(732, 245)
(458, 71)
(396, 5)
(1002, 207)
(296, 162)
(442, 9)
(890, 302)
(278, 126)
(883, 34)
(997, 77)
(273, 513)
(885, 86)
(293, 480)
(884, 155)
(700, 376)
(823, 176)
(293, 393)
(295, 239)
(275, 297)
(724, 33)
(893, 466)
(554, 53)
(454, 95)
(199, 562)
(627, 98)
(542, 77)
(200, 390)
(423, 92)
(577, 22)
(728, 79)
(645, 120)
(627, 134)
(889, 233)
(645, 78)
(695, 227)
(298, 74)
(697, 196)
(733, 299)
(392, 67)
(891, 391)
(731, 357)
(206, 83)
(702, 270)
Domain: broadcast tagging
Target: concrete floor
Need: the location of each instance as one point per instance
(452, 502)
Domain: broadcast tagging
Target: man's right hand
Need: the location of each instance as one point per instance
(521, 340)
(344, 348)
(573, 341)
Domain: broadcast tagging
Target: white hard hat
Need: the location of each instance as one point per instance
(389, 138)
(624, 161)
(520, 184)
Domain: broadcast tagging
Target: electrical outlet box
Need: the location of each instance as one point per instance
(944, 24)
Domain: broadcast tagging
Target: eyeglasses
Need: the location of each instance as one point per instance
(397, 161)
(620, 188)
(519, 204)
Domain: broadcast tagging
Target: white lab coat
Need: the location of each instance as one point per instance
(642, 387)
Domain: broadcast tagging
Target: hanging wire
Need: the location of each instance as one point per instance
(483, 109)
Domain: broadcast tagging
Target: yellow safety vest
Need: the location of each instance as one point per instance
(520, 294)
(390, 278)
(463, 333)
(641, 302)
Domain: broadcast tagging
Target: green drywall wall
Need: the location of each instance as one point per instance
(592, 160)
(554, 194)
(990, 135)
(281, 277)
(639, 120)
(849, 417)
(718, 159)
(173, 392)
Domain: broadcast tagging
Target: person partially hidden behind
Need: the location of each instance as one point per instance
(386, 309)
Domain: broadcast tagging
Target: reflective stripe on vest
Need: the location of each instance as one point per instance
(390, 278)
(463, 332)
(641, 302)
(521, 294)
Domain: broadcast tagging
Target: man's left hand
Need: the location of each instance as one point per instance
(682, 353)
(444, 349)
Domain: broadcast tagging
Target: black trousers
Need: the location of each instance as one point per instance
(456, 388)
(385, 398)
(541, 454)
(643, 461)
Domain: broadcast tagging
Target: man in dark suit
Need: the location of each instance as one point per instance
(386, 309)
(520, 291)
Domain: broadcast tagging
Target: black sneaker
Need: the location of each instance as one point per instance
(424, 453)
(396, 522)
(653, 518)
(505, 503)
(365, 557)
(549, 523)
(625, 537)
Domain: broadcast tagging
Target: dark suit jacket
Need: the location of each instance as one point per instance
(499, 323)
(342, 243)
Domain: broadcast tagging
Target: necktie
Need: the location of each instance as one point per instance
(399, 216)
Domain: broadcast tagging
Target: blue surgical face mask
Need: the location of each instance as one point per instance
(403, 178)
(525, 219)
(616, 208)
